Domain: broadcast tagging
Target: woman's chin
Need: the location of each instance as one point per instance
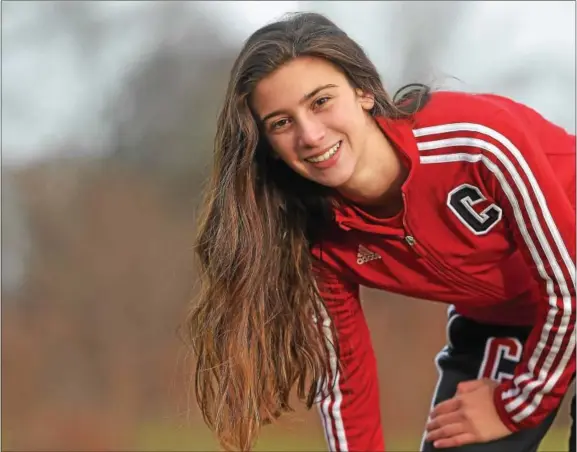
(335, 180)
(333, 177)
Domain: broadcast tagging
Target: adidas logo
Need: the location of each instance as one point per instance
(365, 255)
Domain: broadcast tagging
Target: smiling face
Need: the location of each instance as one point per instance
(314, 120)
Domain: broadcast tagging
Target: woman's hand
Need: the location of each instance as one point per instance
(469, 417)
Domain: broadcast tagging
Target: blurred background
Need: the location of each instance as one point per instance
(108, 116)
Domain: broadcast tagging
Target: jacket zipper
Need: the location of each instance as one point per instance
(445, 272)
(436, 264)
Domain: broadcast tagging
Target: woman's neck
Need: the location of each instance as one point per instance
(378, 177)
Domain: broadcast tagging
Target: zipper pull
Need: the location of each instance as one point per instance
(410, 240)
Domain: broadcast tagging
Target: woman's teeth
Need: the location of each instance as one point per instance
(327, 155)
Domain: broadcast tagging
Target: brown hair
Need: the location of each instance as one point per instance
(252, 329)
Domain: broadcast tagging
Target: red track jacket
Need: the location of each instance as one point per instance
(488, 225)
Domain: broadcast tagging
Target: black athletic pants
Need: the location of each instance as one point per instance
(477, 350)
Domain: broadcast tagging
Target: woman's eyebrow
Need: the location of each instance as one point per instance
(304, 99)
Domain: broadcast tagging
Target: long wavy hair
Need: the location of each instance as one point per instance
(252, 328)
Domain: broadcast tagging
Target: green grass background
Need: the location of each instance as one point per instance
(163, 438)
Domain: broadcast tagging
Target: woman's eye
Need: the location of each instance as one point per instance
(321, 101)
(278, 124)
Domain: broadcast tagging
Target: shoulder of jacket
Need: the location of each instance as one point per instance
(490, 110)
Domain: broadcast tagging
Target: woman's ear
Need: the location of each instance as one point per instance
(366, 100)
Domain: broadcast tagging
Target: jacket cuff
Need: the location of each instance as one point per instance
(502, 412)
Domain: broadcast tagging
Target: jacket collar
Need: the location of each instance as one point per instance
(400, 134)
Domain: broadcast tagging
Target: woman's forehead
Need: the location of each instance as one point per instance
(290, 84)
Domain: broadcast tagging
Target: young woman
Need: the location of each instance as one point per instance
(323, 183)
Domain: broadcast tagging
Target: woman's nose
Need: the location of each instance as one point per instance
(311, 132)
